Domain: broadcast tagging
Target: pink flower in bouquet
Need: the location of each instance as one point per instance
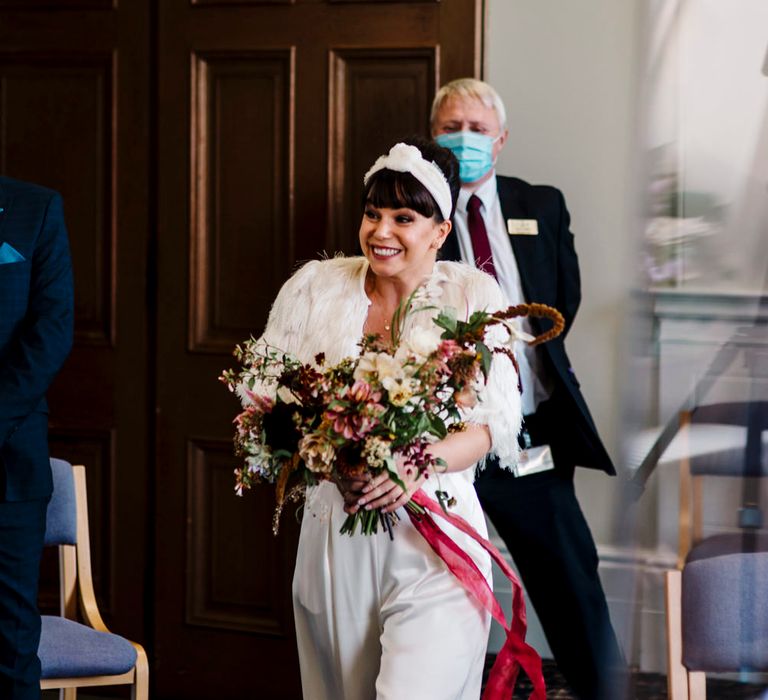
(362, 392)
(349, 424)
(247, 419)
(436, 371)
(447, 349)
(262, 403)
(356, 412)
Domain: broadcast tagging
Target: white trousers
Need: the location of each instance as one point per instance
(386, 620)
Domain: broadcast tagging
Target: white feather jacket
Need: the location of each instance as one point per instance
(323, 308)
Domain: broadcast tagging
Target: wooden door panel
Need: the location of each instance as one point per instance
(56, 113)
(242, 123)
(270, 113)
(58, 4)
(224, 3)
(230, 588)
(187, 207)
(74, 115)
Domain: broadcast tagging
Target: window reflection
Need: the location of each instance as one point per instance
(697, 408)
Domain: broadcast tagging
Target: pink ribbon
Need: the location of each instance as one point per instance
(515, 653)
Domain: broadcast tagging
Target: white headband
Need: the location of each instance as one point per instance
(403, 158)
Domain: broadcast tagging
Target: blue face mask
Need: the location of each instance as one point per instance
(473, 151)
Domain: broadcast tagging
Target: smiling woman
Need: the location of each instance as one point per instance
(376, 617)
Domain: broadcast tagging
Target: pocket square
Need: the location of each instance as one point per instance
(9, 254)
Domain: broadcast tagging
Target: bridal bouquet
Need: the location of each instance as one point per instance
(305, 422)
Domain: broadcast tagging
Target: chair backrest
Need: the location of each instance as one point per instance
(61, 525)
(750, 458)
(62, 529)
(733, 437)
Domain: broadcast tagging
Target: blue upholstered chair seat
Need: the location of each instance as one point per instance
(71, 650)
(724, 604)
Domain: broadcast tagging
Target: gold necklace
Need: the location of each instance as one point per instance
(387, 324)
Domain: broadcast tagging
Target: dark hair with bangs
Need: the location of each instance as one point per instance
(394, 190)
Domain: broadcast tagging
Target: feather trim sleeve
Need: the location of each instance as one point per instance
(499, 406)
(286, 327)
(291, 311)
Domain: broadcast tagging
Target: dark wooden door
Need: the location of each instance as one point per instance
(74, 115)
(269, 115)
(202, 147)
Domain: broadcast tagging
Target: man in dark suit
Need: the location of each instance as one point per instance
(520, 234)
(36, 311)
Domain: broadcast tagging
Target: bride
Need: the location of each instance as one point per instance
(380, 618)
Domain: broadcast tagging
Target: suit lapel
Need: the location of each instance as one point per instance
(524, 247)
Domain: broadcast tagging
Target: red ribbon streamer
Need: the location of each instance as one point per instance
(515, 652)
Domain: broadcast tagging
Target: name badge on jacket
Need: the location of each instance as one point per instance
(522, 227)
(533, 460)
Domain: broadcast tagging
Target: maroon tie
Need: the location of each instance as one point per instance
(479, 236)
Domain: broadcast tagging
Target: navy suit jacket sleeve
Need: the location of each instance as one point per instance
(43, 338)
(568, 278)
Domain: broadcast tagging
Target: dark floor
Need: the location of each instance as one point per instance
(645, 686)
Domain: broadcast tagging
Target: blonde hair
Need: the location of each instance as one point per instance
(473, 89)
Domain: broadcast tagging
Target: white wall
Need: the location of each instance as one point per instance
(568, 74)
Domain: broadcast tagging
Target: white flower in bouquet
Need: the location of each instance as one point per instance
(401, 390)
(285, 395)
(419, 343)
(378, 366)
(376, 451)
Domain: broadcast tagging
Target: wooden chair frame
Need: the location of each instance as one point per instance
(682, 684)
(76, 587)
(690, 515)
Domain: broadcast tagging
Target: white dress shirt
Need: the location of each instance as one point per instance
(536, 385)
